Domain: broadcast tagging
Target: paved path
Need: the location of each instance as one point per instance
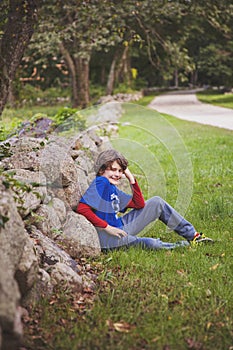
(185, 105)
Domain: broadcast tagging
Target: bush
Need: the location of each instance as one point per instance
(31, 95)
(68, 118)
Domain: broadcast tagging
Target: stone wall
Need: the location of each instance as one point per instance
(41, 235)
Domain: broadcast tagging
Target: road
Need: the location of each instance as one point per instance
(185, 105)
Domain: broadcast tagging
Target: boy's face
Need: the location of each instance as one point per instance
(113, 173)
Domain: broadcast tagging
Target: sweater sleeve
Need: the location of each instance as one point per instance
(86, 210)
(137, 201)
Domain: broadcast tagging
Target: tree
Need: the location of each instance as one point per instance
(209, 42)
(17, 26)
(214, 65)
(77, 29)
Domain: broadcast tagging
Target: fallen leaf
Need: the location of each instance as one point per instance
(122, 327)
(181, 273)
(214, 267)
(154, 340)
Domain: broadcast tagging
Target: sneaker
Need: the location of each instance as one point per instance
(200, 238)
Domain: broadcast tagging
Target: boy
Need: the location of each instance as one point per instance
(103, 201)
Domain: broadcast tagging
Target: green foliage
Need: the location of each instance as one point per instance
(145, 100)
(30, 95)
(96, 91)
(123, 88)
(69, 117)
(6, 129)
(215, 64)
(5, 150)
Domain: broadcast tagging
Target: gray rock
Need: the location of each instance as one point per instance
(50, 253)
(57, 164)
(60, 171)
(28, 267)
(80, 236)
(29, 201)
(12, 243)
(9, 301)
(25, 154)
(42, 288)
(46, 219)
(63, 275)
(13, 235)
(60, 208)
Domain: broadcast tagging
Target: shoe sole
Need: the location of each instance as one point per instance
(203, 240)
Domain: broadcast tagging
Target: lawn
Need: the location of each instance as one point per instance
(216, 98)
(179, 299)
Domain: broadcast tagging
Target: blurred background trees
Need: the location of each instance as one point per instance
(82, 49)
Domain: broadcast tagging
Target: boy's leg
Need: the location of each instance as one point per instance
(156, 208)
(110, 242)
(156, 243)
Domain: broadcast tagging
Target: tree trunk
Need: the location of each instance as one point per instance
(111, 76)
(73, 76)
(16, 37)
(194, 77)
(123, 69)
(79, 73)
(82, 71)
(176, 80)
(11, 95)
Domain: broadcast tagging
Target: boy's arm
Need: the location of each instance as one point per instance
(129, 176)
(137, 200)
(86, 211)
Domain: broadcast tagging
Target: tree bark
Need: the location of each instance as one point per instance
(123, 69)
(176, 79)
(111, 76)
(72, 69)
(79, 72)
(82, 71)
(17, 33)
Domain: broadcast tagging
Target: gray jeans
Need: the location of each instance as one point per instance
(137, 219)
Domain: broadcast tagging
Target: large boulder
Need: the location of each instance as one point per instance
(10, 327)
(49, 252)
(31, 190)
(63, 275)
(27, 268)
(60, 171)
(13, 245)
(46, 219)
(13, 234)
(24, 154)
(80, 236)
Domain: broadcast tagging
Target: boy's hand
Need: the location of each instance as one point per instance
(129, 176)
(115, 231)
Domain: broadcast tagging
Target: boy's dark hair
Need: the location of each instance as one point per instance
(106, 158)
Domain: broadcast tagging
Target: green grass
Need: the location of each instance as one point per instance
(145, 100)
(159, 299)
(11, 118)
(28, 112)
(216, 98)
